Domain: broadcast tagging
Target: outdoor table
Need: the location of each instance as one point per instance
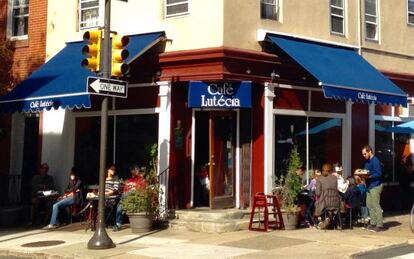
(92, 208)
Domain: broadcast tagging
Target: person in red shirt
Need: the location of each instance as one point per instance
(137, 181)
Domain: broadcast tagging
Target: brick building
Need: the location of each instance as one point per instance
(23, 24)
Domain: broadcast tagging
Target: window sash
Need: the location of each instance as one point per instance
(269, 9)
(371, 20)
(174, 5)
(20, 17)
(88, 13)
(410, 12)
(337, 15)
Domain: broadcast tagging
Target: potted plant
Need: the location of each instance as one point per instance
(292, 185)
(142, 205)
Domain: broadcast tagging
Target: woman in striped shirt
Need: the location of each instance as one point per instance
(111, 181)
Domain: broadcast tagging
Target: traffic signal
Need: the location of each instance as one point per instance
(119, 54)
(92, 50)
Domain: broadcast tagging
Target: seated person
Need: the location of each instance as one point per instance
(204, 183)
(342, 184)
(353, 197)
(111, 184)
(327, 193)
(309, 200)
(72, 196)
(137, 181)
(40, 182)
(111, 190)
(363, 190)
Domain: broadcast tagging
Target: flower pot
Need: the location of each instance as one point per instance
(140, 222)
(290, 219)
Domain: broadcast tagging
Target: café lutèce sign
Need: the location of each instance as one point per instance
(220, 95)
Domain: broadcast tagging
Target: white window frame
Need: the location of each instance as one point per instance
(409, 13)
(373, 23)
(10, 22)
(101, 10)
(176, 14)
(308, 113)
(276, 6)
(331, 6)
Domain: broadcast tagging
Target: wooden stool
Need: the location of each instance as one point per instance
(261, 204)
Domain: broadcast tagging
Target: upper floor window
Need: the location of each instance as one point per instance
(269, 9)
(88, 13)
(410, 12)
(337, 16)
(371, 19)
(19, 18)
(176, 7)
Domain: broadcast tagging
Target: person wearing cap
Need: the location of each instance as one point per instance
(40, 182)
(135, 182)
(342, 183)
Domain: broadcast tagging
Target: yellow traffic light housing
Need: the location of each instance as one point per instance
(92, 50)
(119, 54)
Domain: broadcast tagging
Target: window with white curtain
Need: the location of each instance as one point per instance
(176, 7)
(88, 13)
(19, 18)
(337, 16)
(269, 9)
(371, 19)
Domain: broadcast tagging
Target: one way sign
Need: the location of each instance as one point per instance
(108, 87)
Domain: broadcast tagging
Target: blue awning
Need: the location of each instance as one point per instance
(61, 82)
(404, 128)
(322, 127)
(342, 72)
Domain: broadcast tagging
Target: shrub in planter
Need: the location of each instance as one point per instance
(291, 185)
(141, 205)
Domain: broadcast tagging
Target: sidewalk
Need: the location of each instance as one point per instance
(71, 242)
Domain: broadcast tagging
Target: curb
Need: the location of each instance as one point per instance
(383, 248)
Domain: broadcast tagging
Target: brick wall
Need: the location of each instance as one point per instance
(30, 54)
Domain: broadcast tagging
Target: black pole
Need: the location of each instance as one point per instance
(101, 240)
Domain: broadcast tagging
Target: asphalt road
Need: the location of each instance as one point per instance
(402, 252)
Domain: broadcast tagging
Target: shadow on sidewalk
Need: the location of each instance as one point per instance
(391, 224)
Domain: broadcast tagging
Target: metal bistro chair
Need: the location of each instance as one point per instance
(332, 207)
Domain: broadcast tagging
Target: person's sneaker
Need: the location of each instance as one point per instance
(370, 227)
(50, 226)
(116, 228)
(377, 229)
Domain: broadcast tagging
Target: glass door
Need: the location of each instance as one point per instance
(222, 143)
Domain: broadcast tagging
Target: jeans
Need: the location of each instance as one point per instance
(374, 207)
(60, 204)
(118, 215)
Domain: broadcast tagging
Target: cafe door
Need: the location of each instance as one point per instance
(222, 154)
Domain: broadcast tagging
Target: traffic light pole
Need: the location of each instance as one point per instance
(100, 239)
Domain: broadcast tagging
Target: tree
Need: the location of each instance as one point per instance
(6, 63)
(292, 182)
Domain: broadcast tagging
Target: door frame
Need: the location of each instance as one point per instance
(237, 154)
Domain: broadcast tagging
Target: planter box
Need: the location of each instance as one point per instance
(140, 222)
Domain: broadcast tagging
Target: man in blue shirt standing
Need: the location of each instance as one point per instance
(374, 189)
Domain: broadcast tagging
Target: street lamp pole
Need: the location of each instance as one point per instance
(101, 240)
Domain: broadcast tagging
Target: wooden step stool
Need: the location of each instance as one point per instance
(261, 205)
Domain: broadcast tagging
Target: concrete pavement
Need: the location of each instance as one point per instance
(71, 242)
